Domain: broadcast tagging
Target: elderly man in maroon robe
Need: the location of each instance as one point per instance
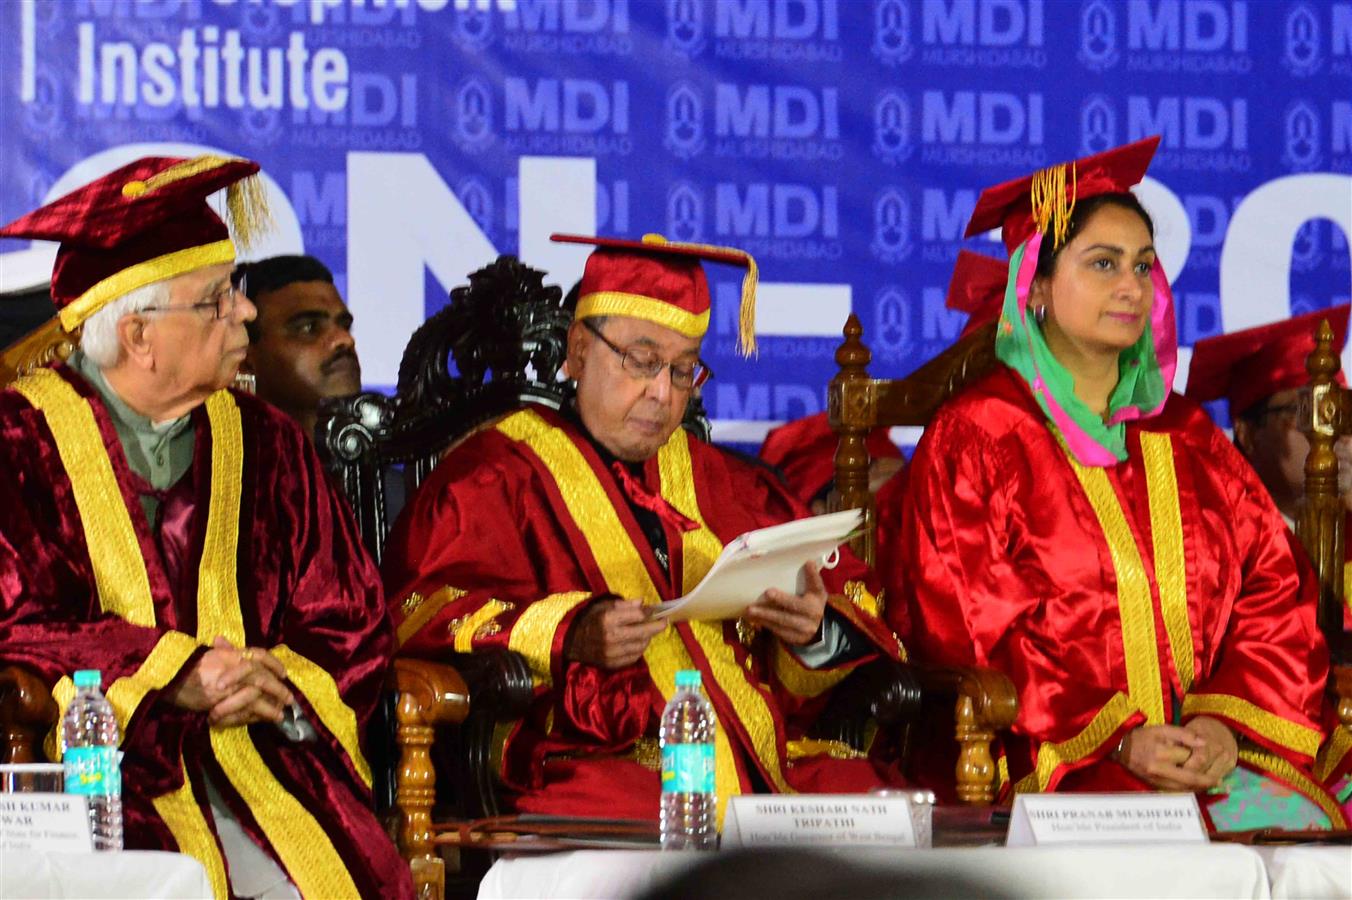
(182, 538)
(550, 533)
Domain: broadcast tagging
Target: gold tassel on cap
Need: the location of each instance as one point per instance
(247, 203)
(1052, 205)
(746, 319)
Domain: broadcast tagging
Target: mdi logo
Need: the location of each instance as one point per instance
(1098, 125)
(890, 338)
(685, 121)
(1197, 133)
(891, 242)
(983, 128)
(892, 128)
(1201, 37)
(782, 30)
(472, 116)
(1304, 47)
(685, 212)
(1098, 36)
(685, 27)
(575, 116)
(892, 32)
(777, 121)
(1302, 54)
(568, 27)
(1301, 146)
(983, 33)
(780, 221)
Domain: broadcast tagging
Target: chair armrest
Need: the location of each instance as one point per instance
(499, 681)
(1340, 685)
(435, 693)
(27, 710)
(884, 692)
(986, 702)
(427, 694)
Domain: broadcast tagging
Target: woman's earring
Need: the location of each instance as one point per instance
(1040, 314)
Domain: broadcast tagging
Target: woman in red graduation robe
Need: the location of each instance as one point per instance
(1070, 522)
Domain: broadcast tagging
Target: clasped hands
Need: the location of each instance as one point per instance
(613, 634)
(235, 686)
(1192, 757)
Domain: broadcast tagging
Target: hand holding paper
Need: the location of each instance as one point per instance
(793, 618)
(759, 561)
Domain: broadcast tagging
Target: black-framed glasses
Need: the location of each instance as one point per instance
(645, 364)
(222, 302)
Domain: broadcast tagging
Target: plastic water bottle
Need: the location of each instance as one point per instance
(689, 800)
(89, 739)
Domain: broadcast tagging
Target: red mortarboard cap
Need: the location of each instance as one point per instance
(1046, 198)
(145, 222)
(1247, 366)
(660, 281)
(805, 451)
(977, 288)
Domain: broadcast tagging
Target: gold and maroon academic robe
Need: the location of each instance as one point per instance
(1149, 592)
(270, 558)
(520, 527)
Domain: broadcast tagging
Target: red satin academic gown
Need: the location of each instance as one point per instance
(522, 526)
(270, 557)
(1149, 592)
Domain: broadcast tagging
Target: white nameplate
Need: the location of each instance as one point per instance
(859, 820)
(1043, 819)
(47, 822)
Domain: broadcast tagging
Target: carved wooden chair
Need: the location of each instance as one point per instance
(1325, 415)
(422, 694)
(984, 700)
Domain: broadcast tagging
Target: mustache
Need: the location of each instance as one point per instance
(339, 356)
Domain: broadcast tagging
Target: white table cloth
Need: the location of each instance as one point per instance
(130, 873)
(1309, 873)
(1215, 870)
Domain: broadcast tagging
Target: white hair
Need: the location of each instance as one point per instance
(99, 339)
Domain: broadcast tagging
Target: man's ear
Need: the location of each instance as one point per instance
(133, 338)
(579, 340)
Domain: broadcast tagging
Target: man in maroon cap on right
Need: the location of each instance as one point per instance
(1259, 372)
(183, 539)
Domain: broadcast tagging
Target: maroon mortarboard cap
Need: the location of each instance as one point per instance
(660, 281)
(805, 451)
(1247, 366)
(1045, 199)
(145, 222)
(977, 288)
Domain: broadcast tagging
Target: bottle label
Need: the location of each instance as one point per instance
(93, 771)
(688, 769)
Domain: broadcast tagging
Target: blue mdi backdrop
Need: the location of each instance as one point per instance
(842, 142)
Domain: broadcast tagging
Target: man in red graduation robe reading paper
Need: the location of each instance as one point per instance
(183, 539)
(550, 532)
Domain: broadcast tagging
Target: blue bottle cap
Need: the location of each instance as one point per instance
(91, 678)
(687, 678)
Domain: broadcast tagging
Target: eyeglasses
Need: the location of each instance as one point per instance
(645, 364)
(222, 303)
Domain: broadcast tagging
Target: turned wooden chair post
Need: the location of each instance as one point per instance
(1324, 416)
(851, 408)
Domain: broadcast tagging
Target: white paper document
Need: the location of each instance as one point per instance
(766, 558)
